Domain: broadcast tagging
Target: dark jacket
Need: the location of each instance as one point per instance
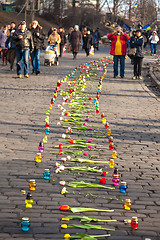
(63, 38)
(10, 43)
(137, 43)
(50, 31)
(37, 40)
(88, 41)
(75, 39)
(25, 42)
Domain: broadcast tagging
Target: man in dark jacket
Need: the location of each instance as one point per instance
(24, 44)
(88, 42)
(138, 42)
(38, 40)
(75, 40)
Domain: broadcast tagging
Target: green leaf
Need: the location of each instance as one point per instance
(89, 169)
(88, 237)
(90, 185)
(81, 160)
(89, 226)
(79, 209)
(89, 219)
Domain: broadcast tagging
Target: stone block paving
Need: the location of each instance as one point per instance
(133, 114)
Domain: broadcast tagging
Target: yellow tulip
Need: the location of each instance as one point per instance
(63, 190)
(65, 219)
(64, 226)
(67, 236)
(104, 120)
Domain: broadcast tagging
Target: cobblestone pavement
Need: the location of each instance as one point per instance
(133, 113)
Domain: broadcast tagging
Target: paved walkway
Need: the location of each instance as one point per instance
(133, 113)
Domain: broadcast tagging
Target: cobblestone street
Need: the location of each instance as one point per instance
(133, 112)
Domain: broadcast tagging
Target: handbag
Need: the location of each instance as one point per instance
(91, 51)
(132, 52)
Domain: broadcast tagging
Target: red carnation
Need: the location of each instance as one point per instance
(60, 152)
(104, 173)
(60, 146)
(102, 180)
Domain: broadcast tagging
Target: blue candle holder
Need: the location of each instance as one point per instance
(25, 224)
(123, 187)
(46, 174)
(47, 131)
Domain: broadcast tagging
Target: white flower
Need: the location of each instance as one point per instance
(62, 183)
(57, 170)
(60, 118)
(61, 167)
(58, 123)
(62, 114)
(59, 105)
(63, 135)
(57, 164)
(68, 157)
(64, 159)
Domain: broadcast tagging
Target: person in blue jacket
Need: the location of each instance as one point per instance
(137, 42)
(11, 53)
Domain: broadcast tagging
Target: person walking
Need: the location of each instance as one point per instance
(75, 40)
(24, 45)
(138, 42)
(95, 39)
(88, 42)
(11, 53)
(63, 39)
(55, 39)
(154, 39)
(118, 50)
(38, 40)
(3, 38)
(71, 29)
(98, 37)
(84, 35)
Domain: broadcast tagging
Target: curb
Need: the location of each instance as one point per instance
(153, 78)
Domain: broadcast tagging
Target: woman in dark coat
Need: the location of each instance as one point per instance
(63, 39)
(138, 42)
(88, 42)
(75, 40)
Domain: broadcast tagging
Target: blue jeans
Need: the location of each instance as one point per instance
(22, 59)
(153, 47)
(122, 64)
(35, 59)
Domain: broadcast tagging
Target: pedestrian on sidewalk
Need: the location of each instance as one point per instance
(75, 40)
(95, 39)
(98, 37)
(38, 40)
(88, 42)
(118, 50)
(3, 39)
(63, 39)
(138, 42)
(24, 45)
(84, 34)
(11, 53)
(154, 39)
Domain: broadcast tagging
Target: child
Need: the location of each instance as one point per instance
(154, 39)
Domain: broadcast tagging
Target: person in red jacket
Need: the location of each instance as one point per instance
(118, 49)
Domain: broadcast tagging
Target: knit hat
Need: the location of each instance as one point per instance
(76, 27)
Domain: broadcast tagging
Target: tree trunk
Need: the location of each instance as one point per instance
(98, 5)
